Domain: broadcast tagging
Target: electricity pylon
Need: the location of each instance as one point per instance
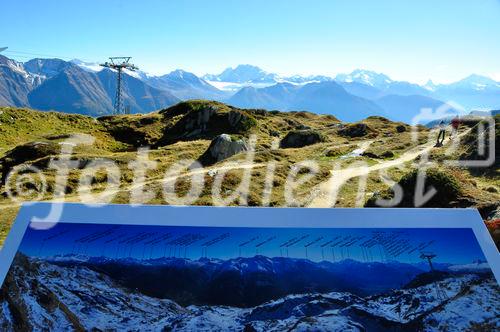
(119, 63)
(428, 257)
(441, 294)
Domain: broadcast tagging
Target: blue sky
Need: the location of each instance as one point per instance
(456, 246)
(408, 40)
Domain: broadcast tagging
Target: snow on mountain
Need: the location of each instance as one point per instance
(425, 297)
(77, 299)
(182, 84)
(430, 85)
(16, 83)
(75, 90)
(256, 263)
(88, 66)
(476, 311)
(46, 68)
(483, 266)
(475, 82)
(243, 74)
(474, 92)
(299, 79)
(367, 77)
(232, 88)
(234, 79)
(243, 276)
(372, 85)
(95, 67)
(15, 66)
(19, 80)
(39, 295)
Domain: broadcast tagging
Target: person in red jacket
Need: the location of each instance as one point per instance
(455, 123)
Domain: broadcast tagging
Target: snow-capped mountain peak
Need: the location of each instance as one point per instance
(477, 82)
(430, 85)
(367, 77)
(95, 67)
(180, 74)
(88, 66)
(13, 65)
(243, 74)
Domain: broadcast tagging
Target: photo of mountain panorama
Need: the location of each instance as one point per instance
(85, 276)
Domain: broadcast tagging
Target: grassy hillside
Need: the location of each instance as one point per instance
(177, 133)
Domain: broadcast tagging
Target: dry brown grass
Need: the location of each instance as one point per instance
(112, 141)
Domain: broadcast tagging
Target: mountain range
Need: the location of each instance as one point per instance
(247, 281)
(54, 84)
(86, 88)
(38, 294)
(250, 281)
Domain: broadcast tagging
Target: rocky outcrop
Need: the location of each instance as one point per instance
(223, 147)
(38, 296)
(208, 121)
(383, 155)
(449, 191)
(354, 130)
(301, 138)
(401, 128)
(482, 132)
(26, 153)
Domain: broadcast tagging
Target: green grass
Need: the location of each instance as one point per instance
(117, 138)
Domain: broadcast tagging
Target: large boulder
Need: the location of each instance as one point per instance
(354, 130)
(223, 147)
(301, 138)
(401, 128)
(481, 133)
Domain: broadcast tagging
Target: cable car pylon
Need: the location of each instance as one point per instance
(119, 63)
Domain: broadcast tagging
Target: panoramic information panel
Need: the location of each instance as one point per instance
(191, 268)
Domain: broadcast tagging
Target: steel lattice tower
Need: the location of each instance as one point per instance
(119, 63)
(428, 257)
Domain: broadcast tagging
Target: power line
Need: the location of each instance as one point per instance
(23, 54)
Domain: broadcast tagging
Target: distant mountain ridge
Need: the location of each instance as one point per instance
(322, 97)
(186, 85)
(397, 100)
(54, 84)
(71, 89)
(243, 277)
(82, 87)
(243, 74)
(248, 74)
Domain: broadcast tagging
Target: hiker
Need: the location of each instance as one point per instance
(442, 131)
(455, 123)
